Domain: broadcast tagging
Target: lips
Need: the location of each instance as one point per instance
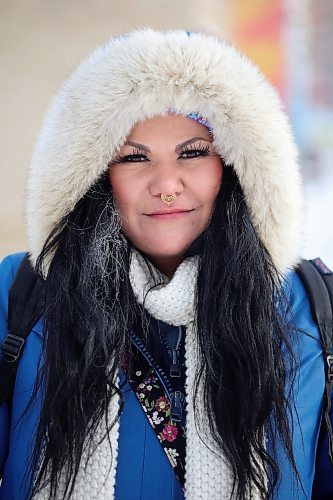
(173, 213)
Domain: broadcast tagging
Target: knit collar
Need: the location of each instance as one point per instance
(171, 300)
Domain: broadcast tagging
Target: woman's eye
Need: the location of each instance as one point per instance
(195, 153)
(134, 158)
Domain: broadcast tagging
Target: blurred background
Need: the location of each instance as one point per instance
(41, 41)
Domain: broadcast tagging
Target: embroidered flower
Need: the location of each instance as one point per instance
(169, 432)
(162, 404)
(156, 419)
(149, 387)
(172, 453)
(142, 396)
(141, 386)
(138, 373)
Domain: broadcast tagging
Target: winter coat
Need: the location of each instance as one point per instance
(140, 455)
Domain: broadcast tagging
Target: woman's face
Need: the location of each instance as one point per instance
(166, 155)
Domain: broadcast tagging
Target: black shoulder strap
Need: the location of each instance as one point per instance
(23, 314)
(318, 282)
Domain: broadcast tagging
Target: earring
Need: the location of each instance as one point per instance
(168, 199)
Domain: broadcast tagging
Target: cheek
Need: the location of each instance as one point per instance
(209, 182)
(121, 189)
(127, 195)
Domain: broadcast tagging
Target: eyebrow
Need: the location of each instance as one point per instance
(177, 148)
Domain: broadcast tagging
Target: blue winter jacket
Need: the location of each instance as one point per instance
(143, 471)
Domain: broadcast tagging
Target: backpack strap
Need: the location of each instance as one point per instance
(318, 282)
(23, 314)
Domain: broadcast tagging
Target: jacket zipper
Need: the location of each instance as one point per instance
(175, 370)
(176, 398)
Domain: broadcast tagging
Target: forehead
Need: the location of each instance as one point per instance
(171, 127)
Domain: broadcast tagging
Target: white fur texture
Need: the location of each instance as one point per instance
(145, 73)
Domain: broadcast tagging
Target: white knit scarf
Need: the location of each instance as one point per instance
(207, 476)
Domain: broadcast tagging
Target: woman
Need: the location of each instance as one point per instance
(163, 215)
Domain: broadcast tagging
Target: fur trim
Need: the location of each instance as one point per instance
(145, 73)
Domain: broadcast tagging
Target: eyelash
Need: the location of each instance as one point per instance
(203, 149)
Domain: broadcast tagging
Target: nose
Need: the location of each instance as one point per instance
(166, 179)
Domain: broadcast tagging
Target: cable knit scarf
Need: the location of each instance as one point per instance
(208, 476)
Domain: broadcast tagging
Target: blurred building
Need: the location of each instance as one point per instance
(292, 42)
(309, 37)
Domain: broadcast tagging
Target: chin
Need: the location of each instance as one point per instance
(170, 251)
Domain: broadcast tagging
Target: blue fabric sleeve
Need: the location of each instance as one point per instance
(308, 390)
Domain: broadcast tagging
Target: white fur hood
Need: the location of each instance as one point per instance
(145, 73)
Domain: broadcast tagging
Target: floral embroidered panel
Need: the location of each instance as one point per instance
(156, 405)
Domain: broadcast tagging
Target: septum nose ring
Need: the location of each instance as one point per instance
(168, 199)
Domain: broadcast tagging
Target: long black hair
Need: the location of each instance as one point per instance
(243, 338)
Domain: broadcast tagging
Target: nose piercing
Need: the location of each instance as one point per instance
(168, 199)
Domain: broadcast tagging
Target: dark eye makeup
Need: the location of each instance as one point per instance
(187, 152)
(195, 151)
(134, 157)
